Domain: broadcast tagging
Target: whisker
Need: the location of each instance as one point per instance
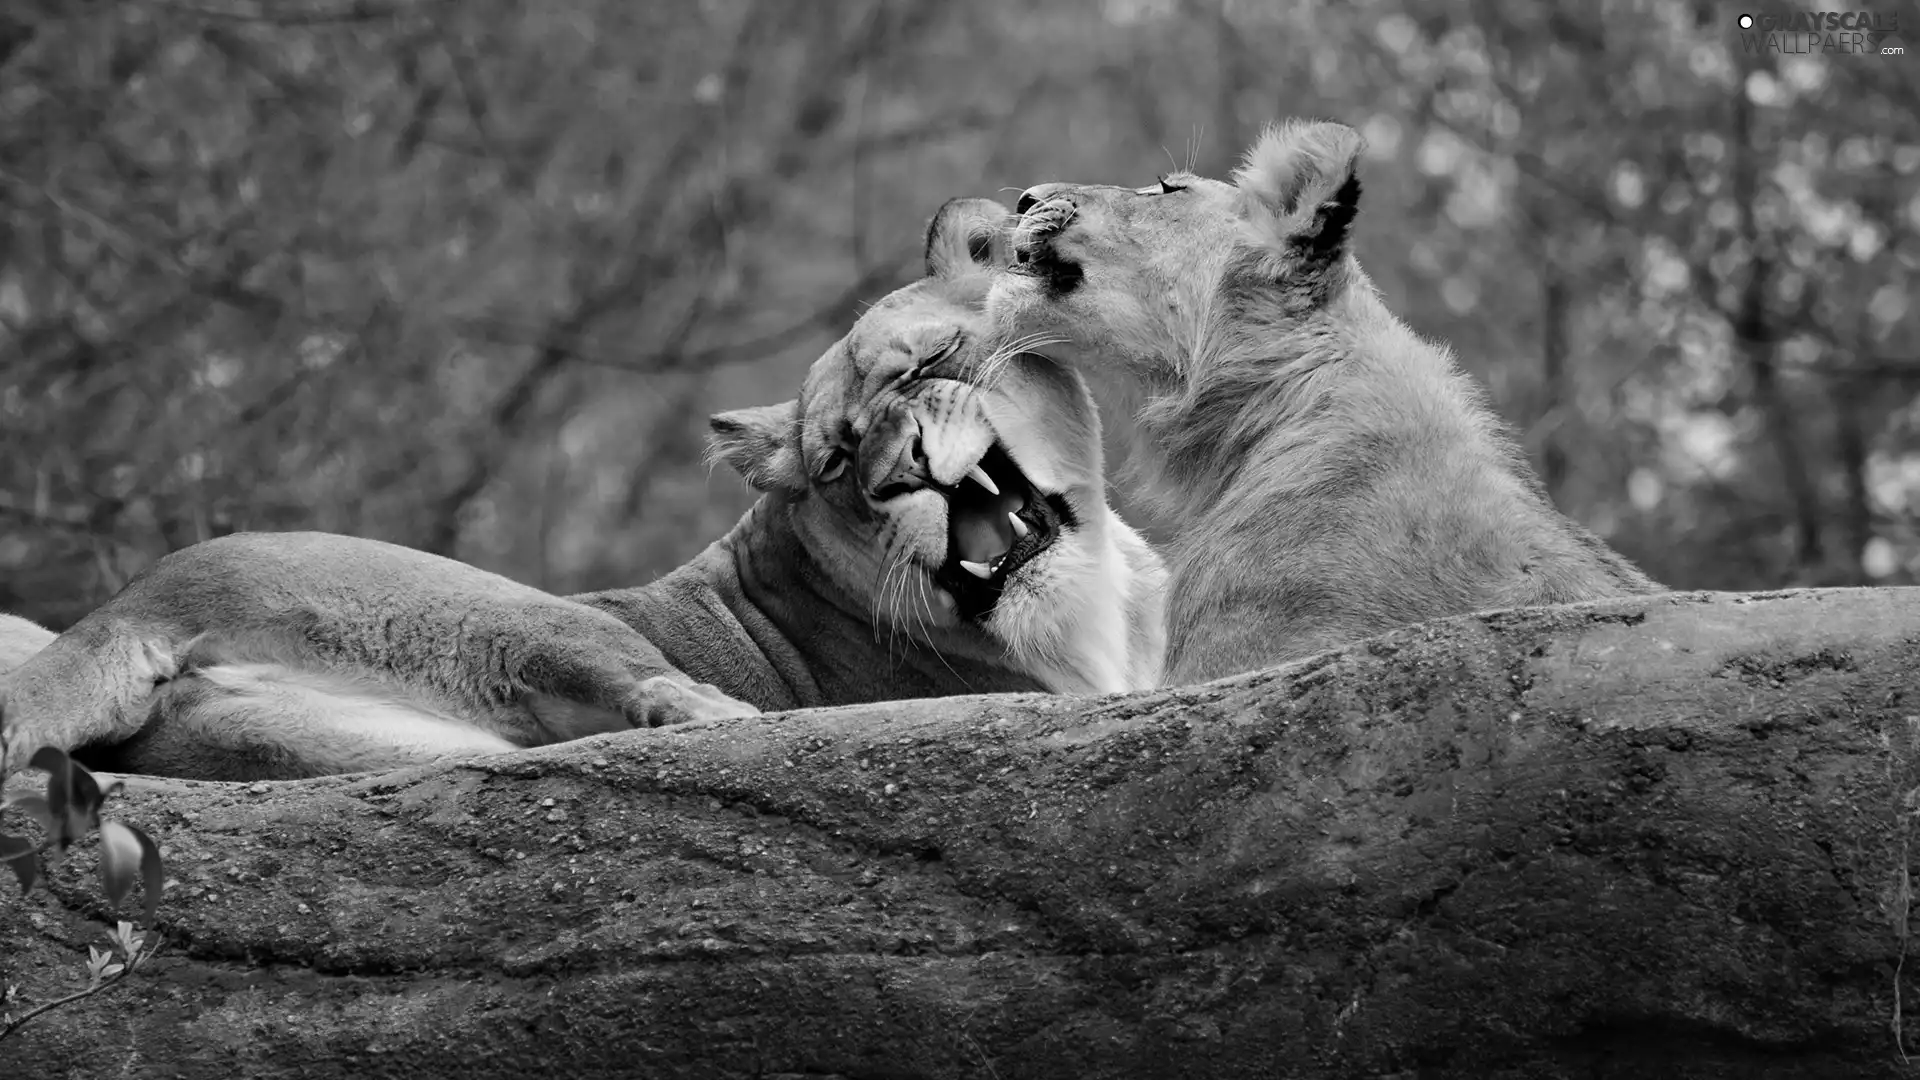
(926, 599)
(984, 369)
(887, 594)
(903, 564)
(873, 605)
(880, 593)
(920, 619)
(989, 369)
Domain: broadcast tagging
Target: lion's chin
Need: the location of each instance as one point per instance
(1053, 274)
(1061, 620)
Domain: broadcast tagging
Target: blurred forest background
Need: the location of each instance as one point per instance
(470, 276)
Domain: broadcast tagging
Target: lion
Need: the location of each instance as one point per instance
(917, 536)
(1334, 474)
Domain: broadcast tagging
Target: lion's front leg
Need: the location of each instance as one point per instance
(585, 672)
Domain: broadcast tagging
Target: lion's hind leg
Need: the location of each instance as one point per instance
(233, 717)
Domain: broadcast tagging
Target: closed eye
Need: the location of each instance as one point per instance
(834, 466)
(923, 367)
(1166, 185)
(947, 349)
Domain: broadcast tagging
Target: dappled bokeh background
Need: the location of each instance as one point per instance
(469, 276)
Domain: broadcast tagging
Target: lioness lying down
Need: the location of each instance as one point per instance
(1333, 474)
(918, 537)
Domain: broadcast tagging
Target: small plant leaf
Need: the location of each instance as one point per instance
(83, 805)
(35, 807)
(59, 772)
(22, 857)
(111, 970)
(73, 795)
(152, 876)
(48, 759)
(120, 858)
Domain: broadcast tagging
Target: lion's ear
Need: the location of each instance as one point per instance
(1304, 192)
(968, 235)
(762, 444)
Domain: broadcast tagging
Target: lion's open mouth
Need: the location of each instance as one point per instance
(1035, 252)
(997, 522)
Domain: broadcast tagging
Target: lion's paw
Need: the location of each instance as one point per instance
(674, 701)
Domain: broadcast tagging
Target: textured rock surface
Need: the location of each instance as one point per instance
(1665, 837)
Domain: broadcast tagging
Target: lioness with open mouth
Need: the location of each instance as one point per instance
(1334, 475)
(921, 535)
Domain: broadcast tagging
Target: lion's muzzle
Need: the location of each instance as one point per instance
(893, 457)
(936, 437)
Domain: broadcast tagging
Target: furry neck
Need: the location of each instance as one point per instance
(1337, 476)
(1305, 392)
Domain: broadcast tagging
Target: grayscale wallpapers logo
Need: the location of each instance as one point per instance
(1836, 33)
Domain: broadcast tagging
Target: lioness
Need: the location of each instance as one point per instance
(918, 538)
(1335, 475)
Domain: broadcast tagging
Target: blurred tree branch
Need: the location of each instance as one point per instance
(1895, 369)
(73, 520)
(1850, 439)
(1750, 327)
(295, 14)
(642, 259)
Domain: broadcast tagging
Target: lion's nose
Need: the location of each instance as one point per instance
(1036, 195)
(899, 458)
(907, 473)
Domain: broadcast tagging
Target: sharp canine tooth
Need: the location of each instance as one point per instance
(976, 569)
(979, 476)
(1019, 527)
